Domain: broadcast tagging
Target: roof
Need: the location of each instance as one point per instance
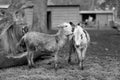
(84, 4)
(4, 6)
(63, 5)
(96, 12)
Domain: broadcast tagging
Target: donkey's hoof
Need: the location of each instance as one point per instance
(81, 68)
(56, 67)
(69, 60)
(31, 66)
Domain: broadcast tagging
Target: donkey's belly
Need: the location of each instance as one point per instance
(52, 48)
(48, 47)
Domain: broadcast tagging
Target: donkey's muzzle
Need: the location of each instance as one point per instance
(77, 46)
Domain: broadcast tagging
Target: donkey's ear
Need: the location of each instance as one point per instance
(72, 24)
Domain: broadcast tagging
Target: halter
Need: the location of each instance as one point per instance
(25, 29)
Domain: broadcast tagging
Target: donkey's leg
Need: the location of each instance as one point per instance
(28, 58)
(70, 52)
(31, 59)
(83, 53)
(56, 60)
(81, 56)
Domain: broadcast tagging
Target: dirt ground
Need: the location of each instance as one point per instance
(102, 62)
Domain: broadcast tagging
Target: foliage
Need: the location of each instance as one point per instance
(110, 4)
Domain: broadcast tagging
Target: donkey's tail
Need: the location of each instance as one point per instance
(20, 55)
(20, 42)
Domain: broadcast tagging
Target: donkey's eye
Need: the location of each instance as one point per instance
(81, 36)
(65, 26)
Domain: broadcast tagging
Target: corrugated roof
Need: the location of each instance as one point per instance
(98, 12)
(84, 4)
(4, 6)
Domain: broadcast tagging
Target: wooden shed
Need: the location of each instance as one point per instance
(57, 14)
(99, 19)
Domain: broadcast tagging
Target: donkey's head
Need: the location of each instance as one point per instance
(25, 29)
(78, 34)
(66, 27)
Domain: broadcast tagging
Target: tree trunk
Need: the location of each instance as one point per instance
(39, 24)
(6, 62)
(39, 15)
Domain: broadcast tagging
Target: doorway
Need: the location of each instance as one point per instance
(86, 16)
(48, 20)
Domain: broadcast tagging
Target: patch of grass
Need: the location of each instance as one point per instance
(102, 62)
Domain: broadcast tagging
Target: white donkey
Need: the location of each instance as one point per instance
(79, 43)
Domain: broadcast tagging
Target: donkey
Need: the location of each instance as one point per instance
(45, 42)
(79, 43)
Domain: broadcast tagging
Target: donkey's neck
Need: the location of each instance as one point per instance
(61, 38)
